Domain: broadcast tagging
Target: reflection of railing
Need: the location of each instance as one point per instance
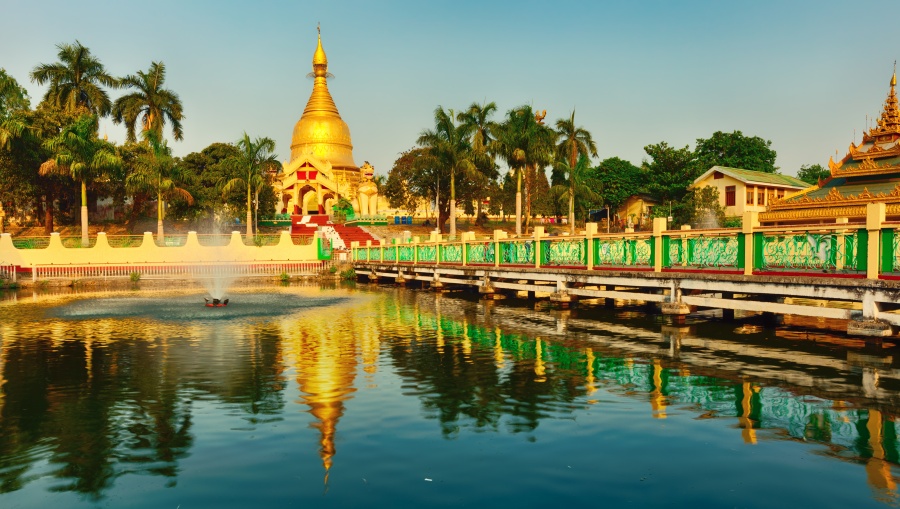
(839, 248)
(192, 271)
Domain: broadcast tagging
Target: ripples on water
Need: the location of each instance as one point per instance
(398, 398)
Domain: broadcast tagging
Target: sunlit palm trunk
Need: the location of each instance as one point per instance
(519, 202)
(160, 216)
(84, 215)
(452, 205)
(249, 213)
(572, 209)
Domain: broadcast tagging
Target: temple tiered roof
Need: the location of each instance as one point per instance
(868, 173)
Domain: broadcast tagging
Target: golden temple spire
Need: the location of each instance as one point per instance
(887, 126)
(320, 61)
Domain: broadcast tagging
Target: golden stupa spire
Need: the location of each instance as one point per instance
(320, 61)
(889, 121)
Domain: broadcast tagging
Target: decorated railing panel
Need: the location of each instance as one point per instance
(374, 254)
(623, 252)
(427, 253)
(451, 253)
(828, 250)
(704, 251)
(564, 252)
(390, 253)
(480, 253)
(406, 253)
(517, 252)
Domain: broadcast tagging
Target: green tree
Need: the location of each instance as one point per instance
(812, 173)
(700, 208)
(156, 170)
(477, 119)
(574, 143)
(413, 178)
(580, 186)
(448, 145)
(257, 158)
(204, 171)
(83, 156)
(76, 81)
(150, 103)
(618, 180)
(526, 145)
(670, 171)
(13, 101)
(735, 150)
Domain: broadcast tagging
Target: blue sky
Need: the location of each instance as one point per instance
(803, 74)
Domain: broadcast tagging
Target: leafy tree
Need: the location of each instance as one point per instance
(76, 81)
(83, 156)
(574, 143)
(150, 103)
(735, 150)
(670, 171)
(812, 173)
(477, 119)
(13, 100)
(700, 208)
(257, 158)
(449, 148)
(156, 170)
(203, 173)
(414, 177)
(618, 180)
(526, 145)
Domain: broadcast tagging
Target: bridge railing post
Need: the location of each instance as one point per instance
(368, 250)
(538, 249)
(749, 223)
(464, 238)
(354, 250)
(875, 216)
(590, 230)
(498, 236)
(659, 226)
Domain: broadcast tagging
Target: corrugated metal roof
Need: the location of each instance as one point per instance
(761, 177)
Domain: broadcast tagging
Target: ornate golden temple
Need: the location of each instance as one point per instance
(869, 173)
(321, 169)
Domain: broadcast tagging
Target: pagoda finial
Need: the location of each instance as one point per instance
(320, 61)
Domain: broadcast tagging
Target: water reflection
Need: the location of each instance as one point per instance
(92, 390)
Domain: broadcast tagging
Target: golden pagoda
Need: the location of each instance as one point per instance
(321, 169)
(869, 173)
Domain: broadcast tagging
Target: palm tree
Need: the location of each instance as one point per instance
(578, 177)
(476, 118)
(80, 154)
(150, 103)
(75, 81)
(573, 141)
(156, 171)
(448, 145)
(257, 159)
(525, 144)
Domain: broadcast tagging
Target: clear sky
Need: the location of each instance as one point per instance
(803, 74)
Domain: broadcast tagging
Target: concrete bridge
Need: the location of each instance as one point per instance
(841, 270)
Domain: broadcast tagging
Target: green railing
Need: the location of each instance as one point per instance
(841, 249)
(517, 252)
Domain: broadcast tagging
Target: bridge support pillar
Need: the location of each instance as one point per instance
(727, 314)
(436, 283)
(561, 296)
(675, 308)
(372, 277)
(869, 324)
(401, 279)
(487, 290)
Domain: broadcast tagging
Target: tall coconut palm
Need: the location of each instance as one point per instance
(477, 119)
(257, 158)
(448, 145)
(574, 141)
(80, 154)
(150, 103)
(578, 184)
(525, 144)
(156, 171)
(76, 81)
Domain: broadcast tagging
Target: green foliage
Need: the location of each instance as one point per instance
(254, 166)
(76, 81)
(348, 274)
(812, 173)
(700, 208)
(155, 170)
(735, 150)
(617, 180)
(669, 171)
(150, 103)
(134, 277)
(13, 97)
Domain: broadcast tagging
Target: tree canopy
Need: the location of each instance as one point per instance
(812, 173)
(150, 103)
(735, 150)
(76, 81)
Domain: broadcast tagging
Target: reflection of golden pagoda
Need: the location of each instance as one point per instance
(321, 168)
(869, 173)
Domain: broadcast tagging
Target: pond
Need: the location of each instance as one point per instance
(343, 397)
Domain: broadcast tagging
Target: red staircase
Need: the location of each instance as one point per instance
(307, 225)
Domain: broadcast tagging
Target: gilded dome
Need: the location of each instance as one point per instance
(321, 131)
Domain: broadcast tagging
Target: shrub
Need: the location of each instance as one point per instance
(134, 277)
(348, 273)
(285, 277)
